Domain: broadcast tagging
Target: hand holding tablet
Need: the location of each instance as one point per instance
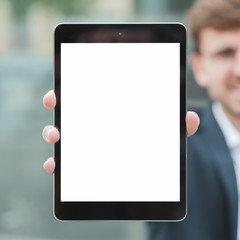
(51, 134)
(139, 98)
(49, 102)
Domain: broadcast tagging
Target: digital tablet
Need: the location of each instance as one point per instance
(121, 107)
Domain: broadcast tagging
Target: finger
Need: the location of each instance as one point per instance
(192, 122)
(50, 134)
(49, 100)
(49, 165)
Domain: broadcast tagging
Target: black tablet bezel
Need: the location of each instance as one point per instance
(167, 211)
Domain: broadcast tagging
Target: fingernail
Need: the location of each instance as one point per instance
(48, 133)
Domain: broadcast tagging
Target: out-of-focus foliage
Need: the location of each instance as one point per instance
(177, 5)
(68, 7)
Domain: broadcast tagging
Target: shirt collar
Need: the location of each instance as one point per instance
(232, 136)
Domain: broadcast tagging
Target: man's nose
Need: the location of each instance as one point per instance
(237, 65)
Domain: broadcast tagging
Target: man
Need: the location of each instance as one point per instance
(214, 151)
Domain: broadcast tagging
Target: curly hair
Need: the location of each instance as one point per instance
(216, 14)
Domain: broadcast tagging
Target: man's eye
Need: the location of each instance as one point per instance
(226, 53)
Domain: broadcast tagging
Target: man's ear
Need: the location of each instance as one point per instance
(198, 70)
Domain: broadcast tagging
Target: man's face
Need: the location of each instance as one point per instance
(217, 67)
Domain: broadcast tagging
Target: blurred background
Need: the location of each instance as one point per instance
(26, 74)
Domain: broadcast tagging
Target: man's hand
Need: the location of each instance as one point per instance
(52, 135)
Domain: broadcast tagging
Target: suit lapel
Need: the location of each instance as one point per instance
(224, 166)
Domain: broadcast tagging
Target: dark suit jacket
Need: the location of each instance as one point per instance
(212, 189)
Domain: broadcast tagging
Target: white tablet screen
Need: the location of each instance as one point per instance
(120, 127)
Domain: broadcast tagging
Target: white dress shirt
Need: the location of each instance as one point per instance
(232, 137)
